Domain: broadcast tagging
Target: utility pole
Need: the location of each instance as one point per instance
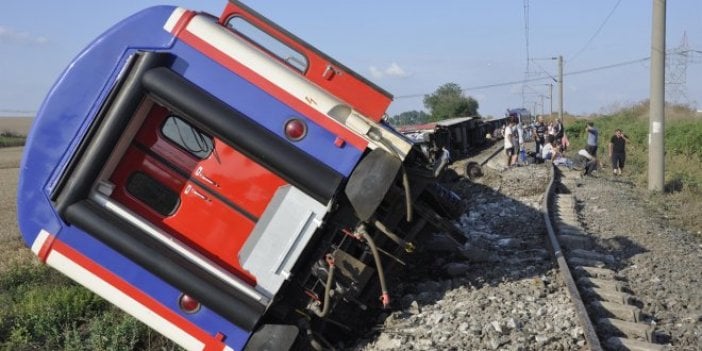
(559, 79)
(542, 103)
(656, 128)
(560, 88)
(550, 99)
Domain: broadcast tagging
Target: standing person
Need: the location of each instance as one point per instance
(558, 131)
(509, 146)
(591, 148)
(539, 133)
(518, 141)
(617, 151)
(592, 136)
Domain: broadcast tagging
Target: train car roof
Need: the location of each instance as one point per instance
(453, 121)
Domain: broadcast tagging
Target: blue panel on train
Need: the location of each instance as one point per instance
(260, 106)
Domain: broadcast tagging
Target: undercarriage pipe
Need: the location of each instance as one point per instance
(327, 289)
(385, 297)
(408, 246)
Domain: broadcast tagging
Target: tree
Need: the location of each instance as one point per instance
(448, 101)
(409, 117)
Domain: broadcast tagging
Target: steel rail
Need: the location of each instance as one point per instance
(591, 337)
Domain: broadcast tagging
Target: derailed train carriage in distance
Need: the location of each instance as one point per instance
(460, 136)
(224, 182)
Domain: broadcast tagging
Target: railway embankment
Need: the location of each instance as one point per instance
(515, 299)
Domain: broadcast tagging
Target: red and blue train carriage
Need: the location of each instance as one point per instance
(207, 175)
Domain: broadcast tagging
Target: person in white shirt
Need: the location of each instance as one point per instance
(509, 145)
(548, 152)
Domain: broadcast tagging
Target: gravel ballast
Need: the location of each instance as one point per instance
(512, 297)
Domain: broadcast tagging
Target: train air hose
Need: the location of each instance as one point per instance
(327, 289)
(385, 297)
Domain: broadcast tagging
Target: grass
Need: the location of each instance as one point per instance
(47, 311)
(42, 309)
(682, 198)
(9, 139)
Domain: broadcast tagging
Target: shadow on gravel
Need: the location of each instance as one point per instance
(612, 253)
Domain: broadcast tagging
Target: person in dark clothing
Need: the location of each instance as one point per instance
(539, 133)
(617, 151)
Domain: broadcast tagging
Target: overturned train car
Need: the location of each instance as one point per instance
(230, 193)
(460, 136)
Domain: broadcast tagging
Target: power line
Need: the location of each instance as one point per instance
(596, 32)
(614, 65)
(538, 78)
(480, 87)
(544, 71)
(527, 70)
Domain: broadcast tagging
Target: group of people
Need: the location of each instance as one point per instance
(616, 150)
(550, 145)
(542, 132)
(544, 136)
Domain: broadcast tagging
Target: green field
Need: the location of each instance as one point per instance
(682, 198)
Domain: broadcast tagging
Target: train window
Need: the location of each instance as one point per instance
(188, 137)
(152, 193)
(269, 43)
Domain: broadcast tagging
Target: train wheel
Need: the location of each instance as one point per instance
(473, 170)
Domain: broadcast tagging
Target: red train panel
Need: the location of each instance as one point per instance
(340, 81)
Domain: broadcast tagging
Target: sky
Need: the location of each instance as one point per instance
(409, 47)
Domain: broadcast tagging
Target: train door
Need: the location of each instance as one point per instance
(194, 187)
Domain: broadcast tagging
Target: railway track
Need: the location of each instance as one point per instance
(607, 309)
(504, 295)
(535, 279)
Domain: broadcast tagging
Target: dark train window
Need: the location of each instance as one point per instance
(187, 137)
(154, 194)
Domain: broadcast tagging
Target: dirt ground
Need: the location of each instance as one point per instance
(11, 246)
(18, 125)
(9, 172)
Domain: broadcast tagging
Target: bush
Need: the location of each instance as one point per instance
(43, 313)
(22, 274)
(115, 331)
(685, 138)
(47, 311)
(683, 158)
(9, 139)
